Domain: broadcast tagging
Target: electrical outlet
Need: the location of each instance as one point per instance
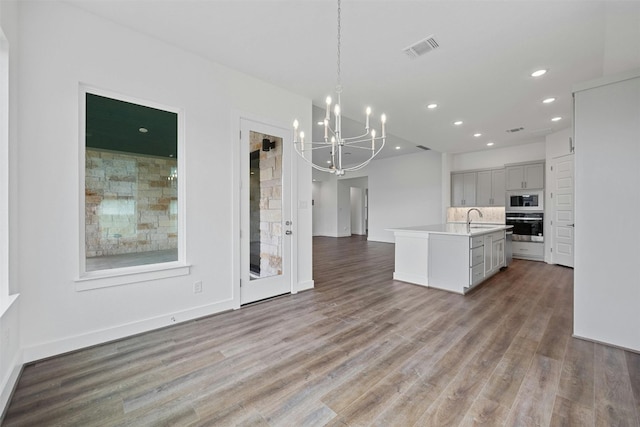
(197, 287)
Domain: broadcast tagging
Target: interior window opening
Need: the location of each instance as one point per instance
(131, 184)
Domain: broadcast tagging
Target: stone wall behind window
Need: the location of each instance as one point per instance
(270, 204)
(131, 203)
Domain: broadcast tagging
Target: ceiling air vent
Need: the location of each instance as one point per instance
(421, 47)
(541, 131)
(514, 130)
(422, 147)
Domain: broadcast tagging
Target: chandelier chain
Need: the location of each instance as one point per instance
(339, 80)
(334, 142)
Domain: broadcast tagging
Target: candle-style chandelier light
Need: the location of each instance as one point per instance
(334, 141)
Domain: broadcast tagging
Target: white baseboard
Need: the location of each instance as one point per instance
(9, 383)
(621, 347)
(416, 279)
(65, 345)
(306, 285)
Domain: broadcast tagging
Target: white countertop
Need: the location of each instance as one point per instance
(453, 228)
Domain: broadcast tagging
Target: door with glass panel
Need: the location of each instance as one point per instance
(265, 224)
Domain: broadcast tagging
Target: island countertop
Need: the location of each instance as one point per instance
(450, 256)
(453, 228)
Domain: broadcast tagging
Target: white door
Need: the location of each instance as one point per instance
(562, 212)
(265, 199)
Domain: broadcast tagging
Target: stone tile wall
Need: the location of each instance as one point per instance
(131, 203)
(490, 215)
(270, 204)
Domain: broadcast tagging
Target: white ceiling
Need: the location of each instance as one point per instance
(480, 74)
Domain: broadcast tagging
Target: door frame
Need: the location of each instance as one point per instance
(236, 201)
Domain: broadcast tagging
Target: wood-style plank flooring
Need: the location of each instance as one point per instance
(360, 349)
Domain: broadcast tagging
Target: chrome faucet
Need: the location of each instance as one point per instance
(469, 219)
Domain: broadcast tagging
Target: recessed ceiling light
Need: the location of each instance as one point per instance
(328, 162)
(432, 106)
(477, 135)
(489, 144)
(320, 123)
(548, 100)
(555, 119)
(143, 130)
(458, 123)
(538, 73)
(397, 148)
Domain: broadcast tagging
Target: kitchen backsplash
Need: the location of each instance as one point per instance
(491, 215)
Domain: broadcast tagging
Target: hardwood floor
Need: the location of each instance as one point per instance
(360, 349)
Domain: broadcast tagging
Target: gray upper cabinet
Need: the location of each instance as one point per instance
(463, 189)
(490, 190)
(525, 177)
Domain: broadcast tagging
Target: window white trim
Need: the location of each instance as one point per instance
(122, 276)
(4, 172)
(88, 280)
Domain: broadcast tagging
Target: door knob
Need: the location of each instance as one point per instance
(288, 232)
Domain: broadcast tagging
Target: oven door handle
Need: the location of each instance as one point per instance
(523, 219)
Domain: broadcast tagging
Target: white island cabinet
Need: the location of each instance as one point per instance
(451, 257)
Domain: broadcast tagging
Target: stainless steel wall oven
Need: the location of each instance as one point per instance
(527, 226)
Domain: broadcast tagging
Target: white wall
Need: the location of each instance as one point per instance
(325, 209)
(357, 210)
(403, 191)
(61, 46)
(607, 202)
(315, 196)
(622, 37)
(447, 167)
(332, 203)
(344, 209)
(10, 352)
(558, 144)
(359, 188)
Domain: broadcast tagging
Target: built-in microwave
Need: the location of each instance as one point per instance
(525, 201)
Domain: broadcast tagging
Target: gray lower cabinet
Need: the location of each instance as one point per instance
(493, 252)
(528, 250)
(476, 261)
(457, 263)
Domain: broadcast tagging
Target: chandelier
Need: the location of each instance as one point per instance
(334, 142)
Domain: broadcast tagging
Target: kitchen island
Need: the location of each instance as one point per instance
(453, 256)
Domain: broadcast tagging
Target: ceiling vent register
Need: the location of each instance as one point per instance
(422, 147)
(422, 47)
(514, 130)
